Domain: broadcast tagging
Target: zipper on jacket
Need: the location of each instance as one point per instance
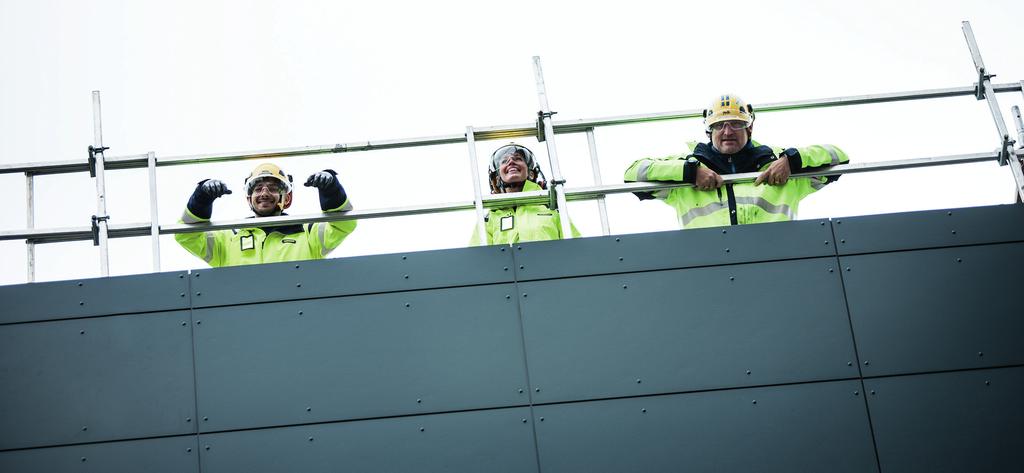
(732, 205)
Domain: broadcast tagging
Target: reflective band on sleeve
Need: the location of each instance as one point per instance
(321, 233)
(818, 182)
(209, 247)
(641, 172)
(769, 207)
(187, 217)
(832, 152)
(702, 211)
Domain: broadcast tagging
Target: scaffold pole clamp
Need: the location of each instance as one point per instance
(92, 158)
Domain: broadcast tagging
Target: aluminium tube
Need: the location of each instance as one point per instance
(549, 133)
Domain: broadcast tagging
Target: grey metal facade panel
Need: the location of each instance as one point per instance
(949, 422)
(90, 297)
(359, 357)
(682, 330)
(498, 440)
(97, 379)
(348, 276)
(162, 455)
(929, 229)
(805, 427)
(673, 249)
(938, 309)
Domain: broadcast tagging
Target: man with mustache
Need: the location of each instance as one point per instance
(513, 168)
(269, 192)
(774, 196)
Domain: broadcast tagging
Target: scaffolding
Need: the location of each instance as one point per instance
(1009, 153)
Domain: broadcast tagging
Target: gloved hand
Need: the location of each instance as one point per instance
(320, 180)
(214, 188)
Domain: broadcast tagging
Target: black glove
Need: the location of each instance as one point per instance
(320, 180)
(214, 188)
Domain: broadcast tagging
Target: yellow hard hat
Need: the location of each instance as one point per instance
(728, 107)
(264, 171)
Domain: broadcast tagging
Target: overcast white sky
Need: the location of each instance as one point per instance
(191, 77)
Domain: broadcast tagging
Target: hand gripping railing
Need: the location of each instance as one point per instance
(544, 129)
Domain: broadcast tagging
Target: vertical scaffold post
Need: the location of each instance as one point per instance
(30, 220)
(985, 91)
(477, 194)
(100, 220)
(602, 210)
(1015, 161)
(154, 218)
(557, 181)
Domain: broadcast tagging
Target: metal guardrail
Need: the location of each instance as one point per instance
(983, 89)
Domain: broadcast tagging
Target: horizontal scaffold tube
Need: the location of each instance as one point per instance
(53, 235)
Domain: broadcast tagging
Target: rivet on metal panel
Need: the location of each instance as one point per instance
(981, 354)
(822, 223)
(519, 247)
(506, 268)
(831, 270)
(959, 260)
(197, 275)
(524, 294)
(847, 268)
(507, 296)
(826, 242)
(300, 312)
(207, 447)
(620, 258)
(726, 250)
(419, 401)
(81, 332)
(309, 409)
(872, 392)
(199, 322)
(849, 363)
(422, 429)
(748, 372)
(83, 458)
(644, 410)
(542, 419)
(79, 284)
(856, 393)
(503, 249)
(949, 213)
(298, 285)
(407, 304)
(199, 294)
(732, 278)
(405, 276)
(84, 428)
(866, 363)
(184, 324)
(188, 419)
(182, 294)
(205, 419)
(524, 420)
(638, 381)
(520, 391)
(617, 239)
(839, 222)
(754, 401)
(987, 383)
(181, 276)
(81, 303)
(842, 240)
(624, 286)
(405, 257)
(954, 232)
(188, 450)
(296, 266)
(311, 439)
(521, 267)
(537, 390)
(723, 232)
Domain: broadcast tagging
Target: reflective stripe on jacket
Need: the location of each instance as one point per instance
(740, 203)
(254, 245)
(528, 222)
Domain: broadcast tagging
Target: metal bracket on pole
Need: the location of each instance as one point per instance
(1016, 166)
(96, 220)
(541, 115)
(984, 91)
(544, 121)
(92, 158)
(553, 196)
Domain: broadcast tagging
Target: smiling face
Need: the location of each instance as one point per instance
(268, 198)
(513, 168)
(729, 141)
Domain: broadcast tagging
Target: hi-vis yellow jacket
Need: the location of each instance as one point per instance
(739, 203)
(521, 223)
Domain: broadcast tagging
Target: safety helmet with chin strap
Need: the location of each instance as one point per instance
(533, 172)
(728, 107)
(269, 171)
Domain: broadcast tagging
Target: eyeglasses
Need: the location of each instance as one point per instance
(271, 188)
(732, 125)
